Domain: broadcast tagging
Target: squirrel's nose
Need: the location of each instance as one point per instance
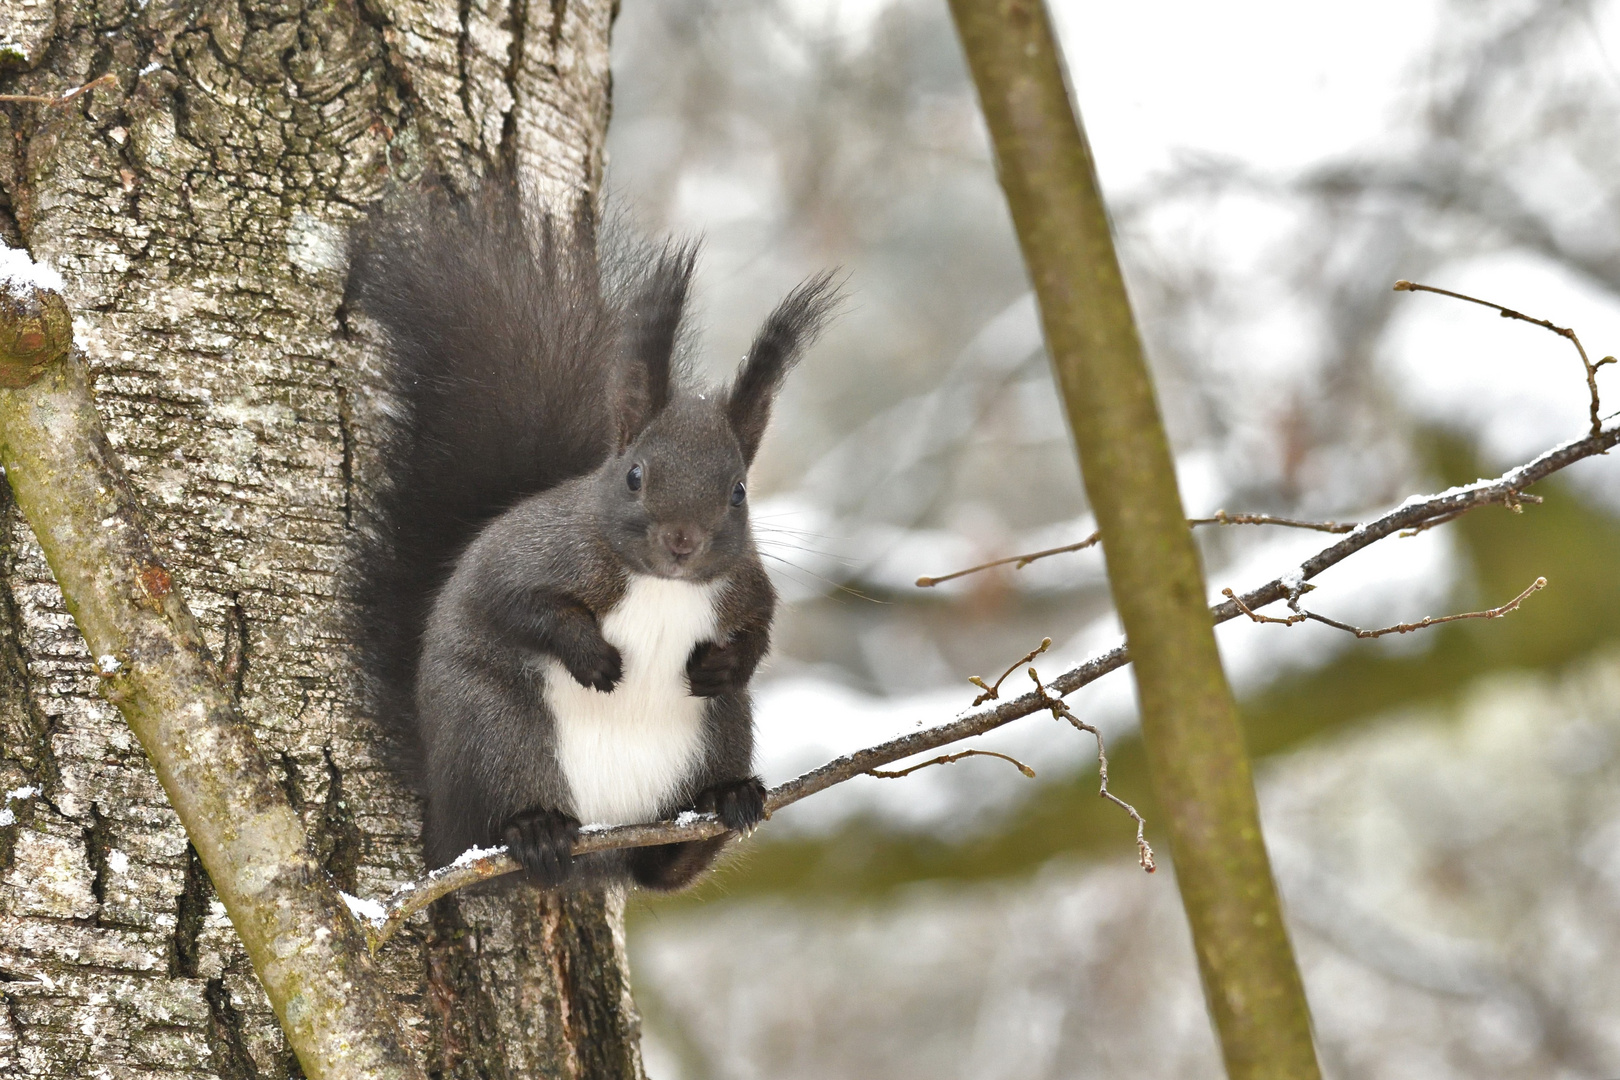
(679, 540)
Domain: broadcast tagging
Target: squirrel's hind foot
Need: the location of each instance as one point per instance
(739, 804)
(543, 842)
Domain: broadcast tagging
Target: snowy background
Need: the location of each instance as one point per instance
(1442, 807)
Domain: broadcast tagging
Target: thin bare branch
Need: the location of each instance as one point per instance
(63, 99)
(1300, 615)
(992, 692)
(1061, 711)
(1562, 331)
(946, 759)
(1221, 517)
(1020, 561)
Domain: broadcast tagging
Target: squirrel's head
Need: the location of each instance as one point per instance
(673, 497)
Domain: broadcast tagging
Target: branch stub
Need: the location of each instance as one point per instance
(35, 332)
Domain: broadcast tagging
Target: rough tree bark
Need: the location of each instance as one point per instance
(197, 208)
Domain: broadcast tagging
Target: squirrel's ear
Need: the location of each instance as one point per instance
(786, 333)
(653, 321)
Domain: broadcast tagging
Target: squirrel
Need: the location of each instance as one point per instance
(557, 599)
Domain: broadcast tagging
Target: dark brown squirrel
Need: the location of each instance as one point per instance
(557, 598)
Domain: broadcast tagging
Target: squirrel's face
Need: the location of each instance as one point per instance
(675, 502)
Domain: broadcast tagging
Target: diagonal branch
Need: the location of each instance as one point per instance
(1416, 511)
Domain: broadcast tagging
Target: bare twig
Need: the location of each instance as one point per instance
(1412, 513)
(1061, 711)
(1021, 561)
(992, 692)
(946, 759)
(1300, 615)
(63, 99)
(1221, 518)
(1561, 331)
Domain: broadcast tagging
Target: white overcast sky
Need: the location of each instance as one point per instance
(1274, 83)
(1280, 86)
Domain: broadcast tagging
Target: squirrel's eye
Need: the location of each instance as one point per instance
(634, 479)
(738, 494)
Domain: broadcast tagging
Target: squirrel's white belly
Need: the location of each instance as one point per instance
(625, 753)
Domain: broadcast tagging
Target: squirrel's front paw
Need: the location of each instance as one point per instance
(599, 668)
(713, 669)
(739, 804)
(543, 841)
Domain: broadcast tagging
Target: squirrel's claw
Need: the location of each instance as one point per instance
(600, 670)
(739, 804)
(543, 841)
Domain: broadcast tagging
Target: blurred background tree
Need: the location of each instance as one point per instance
(1442, 807)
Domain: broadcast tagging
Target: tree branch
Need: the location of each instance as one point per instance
(1018, 562)
(994, 691)
(1415, 512)
(1061, 711)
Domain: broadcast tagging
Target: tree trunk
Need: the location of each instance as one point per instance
(197, 208)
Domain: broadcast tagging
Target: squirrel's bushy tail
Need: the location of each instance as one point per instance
(501, 356)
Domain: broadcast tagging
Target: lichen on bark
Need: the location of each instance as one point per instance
(198, 210)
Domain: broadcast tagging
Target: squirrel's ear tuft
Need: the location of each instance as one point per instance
(652, 325)
(786, 333)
